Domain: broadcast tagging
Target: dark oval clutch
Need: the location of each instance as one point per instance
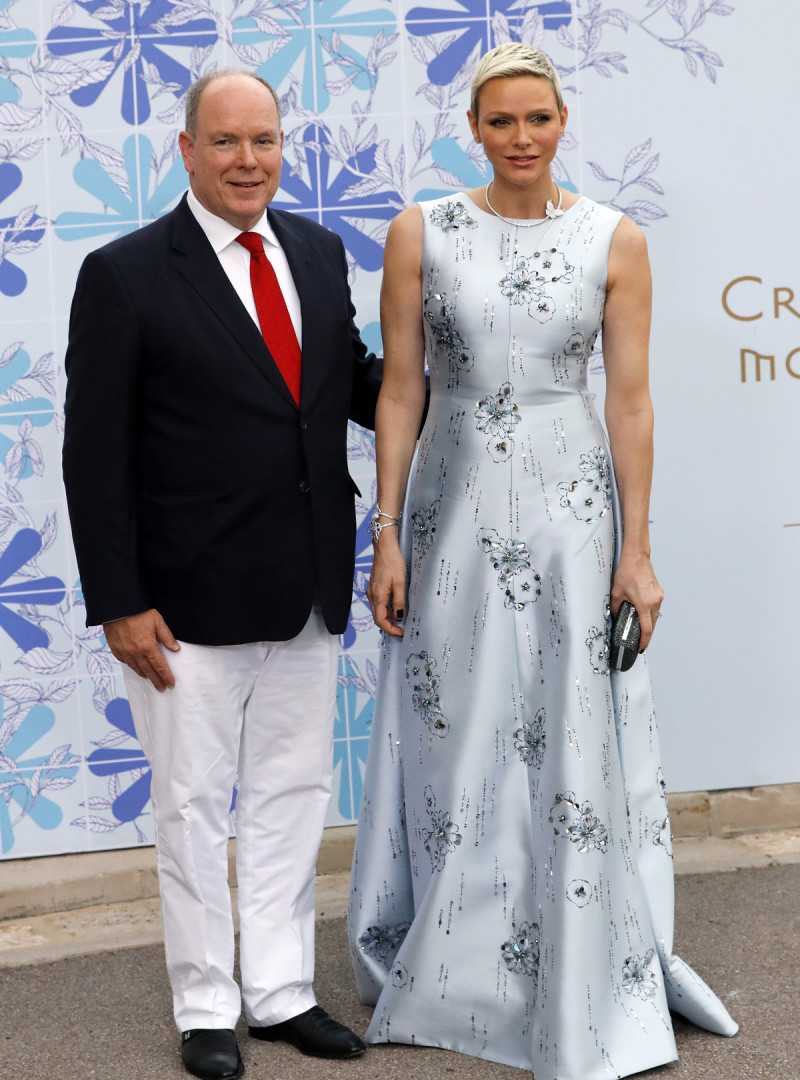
(626, 632)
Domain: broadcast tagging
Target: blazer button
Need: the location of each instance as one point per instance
(305, 487)
(304, 425)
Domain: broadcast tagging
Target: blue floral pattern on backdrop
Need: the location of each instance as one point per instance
(373, 97)
(114, 762)
(14, 42)
(26, 782)
(127, 197)
(132, 38)
(469, 29)
(19, 234)
(288, 32)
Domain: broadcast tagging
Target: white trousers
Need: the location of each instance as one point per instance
(264, 711)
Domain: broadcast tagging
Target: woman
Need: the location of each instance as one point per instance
(512, 885)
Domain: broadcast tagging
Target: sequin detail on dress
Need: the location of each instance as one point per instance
(452, 216)
(442, 836)
(515, 575)
(529, 740)
(521, 950)
(589, 496)
(420, 673)
(439, 311)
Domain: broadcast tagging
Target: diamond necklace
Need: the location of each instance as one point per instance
(551, 212)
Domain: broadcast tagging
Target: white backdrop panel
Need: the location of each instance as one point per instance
(726, 491)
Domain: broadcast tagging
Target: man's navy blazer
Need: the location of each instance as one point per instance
(195, 484)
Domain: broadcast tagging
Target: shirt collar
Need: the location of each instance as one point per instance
(221, 233)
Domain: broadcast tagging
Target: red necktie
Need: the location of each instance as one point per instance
(273, 315)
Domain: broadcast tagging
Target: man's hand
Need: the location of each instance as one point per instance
(135, 640)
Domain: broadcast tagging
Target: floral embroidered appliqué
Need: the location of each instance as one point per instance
(423, 527)
(399, 975)
(420, 672)
(529, 741)
(521, 951)
(589, 497)
(578, 823)
(383, 942)
(515, 574)
(598, 641)
(496, 415)
(662, 835)
(661, 782)
(452, 216)
(526, 284)
(522, 285)
(443, 836)
(637, 978)
(579, 892)
(587, 833)
(439, 312)
(575, 344)
(660, 828)
(578, 346)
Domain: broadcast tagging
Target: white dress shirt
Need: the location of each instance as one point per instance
(235, 260)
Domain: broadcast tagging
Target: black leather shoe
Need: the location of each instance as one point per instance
(313, 1033)
(211, 1053)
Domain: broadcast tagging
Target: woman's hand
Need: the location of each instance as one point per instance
(386, 591)
(636, 581)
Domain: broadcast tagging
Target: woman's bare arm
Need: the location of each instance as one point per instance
(629, 417)
(400, 406)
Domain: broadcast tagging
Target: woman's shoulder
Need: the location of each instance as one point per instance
(628, 243)
(600, 211)
(611, 225)
(407, 225)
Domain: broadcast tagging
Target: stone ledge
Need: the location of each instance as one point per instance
(336, 852)
(132, 924)
(709, 854)
(757, 809)
(690, 813)
(34, 887)
(735, 811)
(65, 882)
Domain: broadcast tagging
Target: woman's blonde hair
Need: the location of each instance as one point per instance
(509, 60)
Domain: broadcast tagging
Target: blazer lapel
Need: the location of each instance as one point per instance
(305, 273)
(198, 264)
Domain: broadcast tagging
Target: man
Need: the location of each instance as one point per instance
(212, 514)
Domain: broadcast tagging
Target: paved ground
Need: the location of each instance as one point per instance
(107, 1016)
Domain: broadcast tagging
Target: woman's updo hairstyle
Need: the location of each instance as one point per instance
(512, 59)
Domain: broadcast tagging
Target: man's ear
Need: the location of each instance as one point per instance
(186, 144)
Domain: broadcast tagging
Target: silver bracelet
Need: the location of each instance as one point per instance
(376, 526)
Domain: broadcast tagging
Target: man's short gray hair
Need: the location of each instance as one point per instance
(195, 92)
(509, 60)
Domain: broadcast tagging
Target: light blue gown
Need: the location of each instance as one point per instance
(512, 891)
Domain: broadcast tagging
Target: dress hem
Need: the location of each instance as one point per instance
(601, 1074)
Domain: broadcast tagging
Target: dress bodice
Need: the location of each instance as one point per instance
(527, 298)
